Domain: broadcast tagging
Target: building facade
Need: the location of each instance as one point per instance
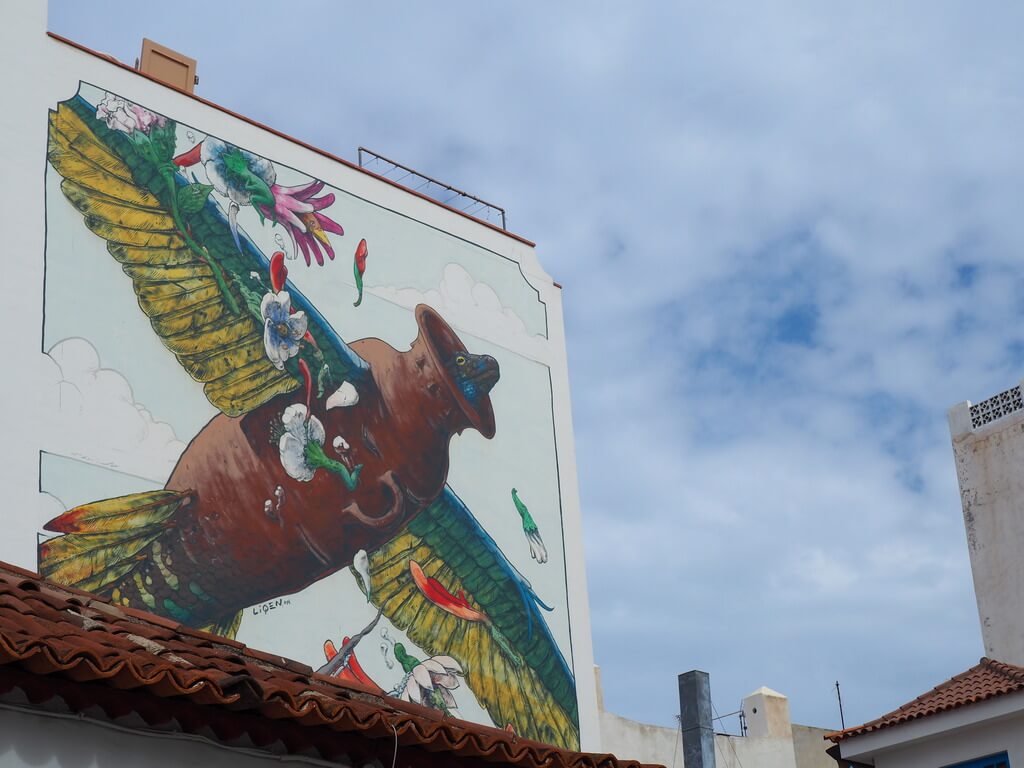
(988, 446)
(264, 393)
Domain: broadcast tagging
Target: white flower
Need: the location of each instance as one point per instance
(340, 444)
(114, 112)
(122, 115)
(298, 434)
(431, 682)
(282, 330)
(537, 549)
(214, 156)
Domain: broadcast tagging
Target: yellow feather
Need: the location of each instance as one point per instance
(75, 557)
(159, 299)
(122, 513)
(214, 365)
(92, 203)
(145, 273)
(264, 382)
(72, 165)
(158, 257)
(127, 236)
(188, 290)
(188, 319)
(225, 331)
(86, 144)
(102, 581)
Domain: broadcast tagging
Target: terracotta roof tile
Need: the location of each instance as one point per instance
(68, 643)
(985, 680)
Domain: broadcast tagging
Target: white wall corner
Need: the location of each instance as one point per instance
(959, 417)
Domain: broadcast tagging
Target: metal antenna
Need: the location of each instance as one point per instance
(842, 720)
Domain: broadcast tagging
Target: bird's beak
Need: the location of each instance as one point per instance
(485, 373)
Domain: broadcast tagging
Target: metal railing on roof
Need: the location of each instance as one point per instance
(446, 194)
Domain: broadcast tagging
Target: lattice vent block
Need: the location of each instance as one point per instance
(996, 407)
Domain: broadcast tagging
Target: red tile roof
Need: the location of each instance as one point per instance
(985, 680)
(61, 642)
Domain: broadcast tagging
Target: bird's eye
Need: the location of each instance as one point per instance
(460, 360)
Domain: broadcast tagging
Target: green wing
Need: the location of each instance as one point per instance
(521, 679)
(191, 280)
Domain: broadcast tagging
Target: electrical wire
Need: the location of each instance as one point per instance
(728, 738)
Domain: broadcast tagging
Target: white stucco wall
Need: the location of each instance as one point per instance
(48, 741)
(809, 747)
(45, 71)
(989, 459)
(775, 742)
(630, 740)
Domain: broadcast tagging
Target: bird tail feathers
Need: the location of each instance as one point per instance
(102, 542)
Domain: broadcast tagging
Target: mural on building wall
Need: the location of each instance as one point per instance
(319, 458)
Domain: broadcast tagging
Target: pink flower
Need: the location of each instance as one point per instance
(124, 116)
(298, 209)
(146, 119)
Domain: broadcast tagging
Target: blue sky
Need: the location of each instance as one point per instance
(790, 239)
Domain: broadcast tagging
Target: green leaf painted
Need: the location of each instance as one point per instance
(192, 198)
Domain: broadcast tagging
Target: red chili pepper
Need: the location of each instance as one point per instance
(329, 650)
(190, 158)
(278, 271)
(353, 670)
(357, 670)
(436, 593)
(361, 252)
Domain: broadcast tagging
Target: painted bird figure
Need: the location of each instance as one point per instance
(322, 451)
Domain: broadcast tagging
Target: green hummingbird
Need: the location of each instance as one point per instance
(537, 549)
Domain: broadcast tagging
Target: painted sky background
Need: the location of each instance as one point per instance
(790, 239)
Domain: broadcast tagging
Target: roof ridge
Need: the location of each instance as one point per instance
(1011, 671)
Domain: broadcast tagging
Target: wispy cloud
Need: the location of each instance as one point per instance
(94, 417)
(470, 305)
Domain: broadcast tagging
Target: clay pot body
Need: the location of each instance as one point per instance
(241, 550)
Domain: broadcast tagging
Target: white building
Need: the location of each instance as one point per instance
(770, 739)
(988, 443)
(975, 719)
